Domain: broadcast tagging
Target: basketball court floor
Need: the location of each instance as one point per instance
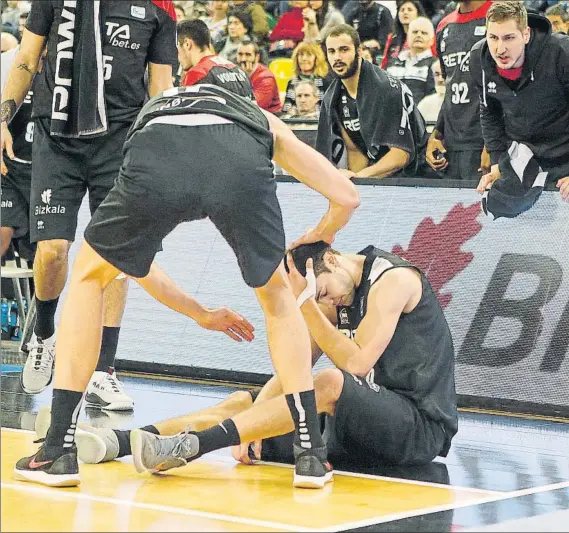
(504, 473)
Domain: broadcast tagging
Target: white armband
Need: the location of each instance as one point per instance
(310, 289)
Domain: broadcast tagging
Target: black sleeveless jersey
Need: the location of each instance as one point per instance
(419, 360)
(210, 99)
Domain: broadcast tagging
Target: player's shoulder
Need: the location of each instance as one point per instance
(449, 19)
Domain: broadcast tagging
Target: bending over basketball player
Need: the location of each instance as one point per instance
(194, 152)
(391, 395)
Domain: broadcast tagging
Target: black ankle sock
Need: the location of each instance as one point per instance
(108, 348)
(65, 407)
(123, 436)
(217, 437)
(302, 407)
(45, 320)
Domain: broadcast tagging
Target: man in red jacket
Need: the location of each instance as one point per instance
(263, 80)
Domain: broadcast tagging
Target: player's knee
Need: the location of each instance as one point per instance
(53, 253)
(275, 296)
(328, 385)
(241, 399)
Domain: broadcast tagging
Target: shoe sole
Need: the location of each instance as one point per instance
(93, 400)
(312, 482)
(91, 448)
(136, 439)
(51, 480)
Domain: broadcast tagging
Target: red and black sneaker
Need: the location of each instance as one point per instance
(311, 468)
(53, 466)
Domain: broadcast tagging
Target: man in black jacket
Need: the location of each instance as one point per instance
(521, 71)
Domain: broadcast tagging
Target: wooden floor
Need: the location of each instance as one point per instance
(499, 469)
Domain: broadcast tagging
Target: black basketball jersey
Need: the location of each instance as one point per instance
(419, 360)
(209, 99)
(456, 35)
(22, 125)
(350, 119)
(133, 33)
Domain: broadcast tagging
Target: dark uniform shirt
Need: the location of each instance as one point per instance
(419, 360)
(459, 119)
(134, 33)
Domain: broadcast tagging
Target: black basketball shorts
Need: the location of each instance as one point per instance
(175, 173)
(16, 197)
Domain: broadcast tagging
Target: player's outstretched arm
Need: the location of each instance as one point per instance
(163, 289)
(314, 170)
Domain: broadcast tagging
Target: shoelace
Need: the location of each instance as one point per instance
(112, 382)
(44, 356)
(183, 447)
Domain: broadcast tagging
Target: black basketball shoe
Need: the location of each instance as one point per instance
(311, 468)
(53, 466)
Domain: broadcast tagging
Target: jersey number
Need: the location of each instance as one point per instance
(107, 67)
(459, 93)
(30, 132)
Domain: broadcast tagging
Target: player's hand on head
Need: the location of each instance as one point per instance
(229, 322)
(312, 235)
(563, 186)
(297, 280)
(7, 146)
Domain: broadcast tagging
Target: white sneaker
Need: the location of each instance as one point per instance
(94, 445)
(106, 392)
(38, 370)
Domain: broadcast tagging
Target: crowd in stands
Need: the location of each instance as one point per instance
(280, 44)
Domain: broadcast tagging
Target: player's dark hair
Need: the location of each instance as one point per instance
(345, 29)
(315, 251)
(196, 30)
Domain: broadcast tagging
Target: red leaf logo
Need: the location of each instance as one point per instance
(436, 248)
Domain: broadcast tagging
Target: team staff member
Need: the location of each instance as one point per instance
(85, 100)
(521, 71)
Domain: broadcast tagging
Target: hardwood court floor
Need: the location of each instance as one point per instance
(499, 469)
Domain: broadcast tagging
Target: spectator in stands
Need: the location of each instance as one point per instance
(558, 15)
(258, 15)
(309, 64)
(456, 144)
(23, 19)
(263, 80)
(368, 114)
(239, 27)
(521, 71)
(319, 18)
(288, 31)
(180, 13)
(372, 21)
(11, 14)
(217, 20)
(430, 106)
(413, 65)
(407, 12)
(202, 66)
(368, 54)
(305, 102)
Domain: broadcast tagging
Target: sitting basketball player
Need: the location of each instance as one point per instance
(392, 393)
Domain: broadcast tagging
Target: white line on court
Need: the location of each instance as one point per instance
(57, 493)
(438, 508)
